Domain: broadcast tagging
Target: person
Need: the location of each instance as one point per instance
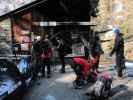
(35, 58)
(93, 51)
(43, 52)
(46, 55)
(61, 53)
(83, 70)
(82, 66)
(96, 51)
(119, 50)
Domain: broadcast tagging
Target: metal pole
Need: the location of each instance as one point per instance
(12, 36)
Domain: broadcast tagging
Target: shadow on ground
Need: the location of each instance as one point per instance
(121, 92)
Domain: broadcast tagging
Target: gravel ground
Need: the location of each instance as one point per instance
(59, 87)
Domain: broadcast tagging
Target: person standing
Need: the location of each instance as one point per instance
(42, 53)
(46, 54)
(36, 59)
(96, 51)
(61, 53)
(118, 49)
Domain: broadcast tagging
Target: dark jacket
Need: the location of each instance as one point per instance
(118, 46)
(96, 48)
(42, 48)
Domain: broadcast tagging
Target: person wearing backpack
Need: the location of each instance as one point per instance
(46, 54)
(118, 49)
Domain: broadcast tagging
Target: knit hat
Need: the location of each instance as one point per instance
(116, 30)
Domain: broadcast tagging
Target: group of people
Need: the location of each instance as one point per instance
(43, 53)
(84, 67)
(118, 49)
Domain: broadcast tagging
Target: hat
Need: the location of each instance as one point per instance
(116, 30)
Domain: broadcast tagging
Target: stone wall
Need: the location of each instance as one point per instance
(106, 11)
(5, 37)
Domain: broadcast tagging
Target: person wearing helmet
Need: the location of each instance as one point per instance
(118, 49)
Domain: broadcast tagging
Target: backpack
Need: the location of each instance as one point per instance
(102, 87)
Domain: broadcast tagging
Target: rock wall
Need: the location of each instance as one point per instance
(117, 13)
(5, 37)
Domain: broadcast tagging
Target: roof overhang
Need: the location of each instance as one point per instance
(21, 9)
(54, 23)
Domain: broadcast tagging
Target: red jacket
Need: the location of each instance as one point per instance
(85, 64)
(47, 55)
